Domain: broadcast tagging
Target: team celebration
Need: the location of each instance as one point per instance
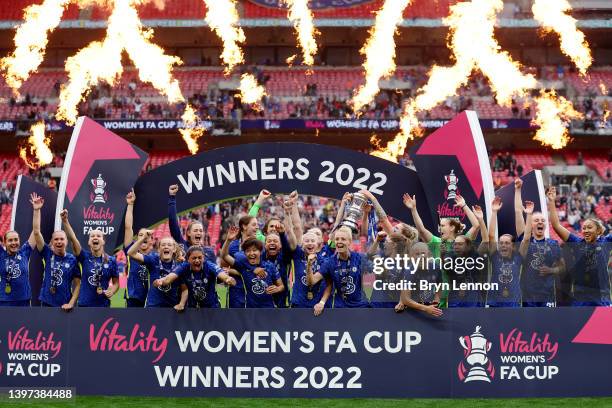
(268, 201)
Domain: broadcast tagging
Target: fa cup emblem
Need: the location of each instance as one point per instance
(451, 185)
(98, 195)
(475, 348)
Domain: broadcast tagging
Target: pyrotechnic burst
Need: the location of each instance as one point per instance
(379, 51)
(552, 14)
(100, 60)
(191, 131)
(553, 114)
(37, 153)
(31, 41)
(251, 91)
(301, 17)
(473, 45)
(222, 17)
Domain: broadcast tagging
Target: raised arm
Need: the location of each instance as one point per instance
(261, 199)
(254, 210)
(173, 221)
(484, 245)
(36, 239)
(288, 228)
(365, 222)
(551, 196)
(346, 198)
(76, 245)
(232, 234)
(373, 248)
(133, 251)
(518, 207)
(128, 231)
(410, 203)
(296, 220)
(380, 212)
(496, 205)
(524, 246)
(473, 231)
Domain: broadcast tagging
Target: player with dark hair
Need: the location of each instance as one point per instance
(449, 228)
(542, 261)
(15, 287)
(100, 279)
(194, 235)
(506, 263)
(590, 255)
(137, 273)
(200, 277)
(261, 279)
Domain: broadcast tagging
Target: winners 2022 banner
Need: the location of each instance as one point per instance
(534, 352)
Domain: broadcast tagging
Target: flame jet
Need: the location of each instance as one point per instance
(379, 51)
(301, 17)
(222, 17)
(552, 15)
(474, 47)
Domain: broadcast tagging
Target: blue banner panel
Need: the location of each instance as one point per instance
(532, 190)
(562, 352)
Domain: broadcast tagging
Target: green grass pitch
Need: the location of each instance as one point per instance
(149, 402)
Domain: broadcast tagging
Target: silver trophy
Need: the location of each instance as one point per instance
(476, 349)
(354, 211)
(451, 185)
(99, 184)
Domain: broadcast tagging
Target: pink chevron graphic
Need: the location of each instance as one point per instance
(598, 329)
(94, 142)
(465, 148)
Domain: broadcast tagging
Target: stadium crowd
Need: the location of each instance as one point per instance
(325, 96)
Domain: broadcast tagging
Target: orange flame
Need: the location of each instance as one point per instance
(31, 39)
(553, 114)
(379, 51)
(552, 15)
(473, 45)
(37, 153)
(222, 17)
(301, 17)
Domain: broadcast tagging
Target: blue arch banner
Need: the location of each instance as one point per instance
(244, 170)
